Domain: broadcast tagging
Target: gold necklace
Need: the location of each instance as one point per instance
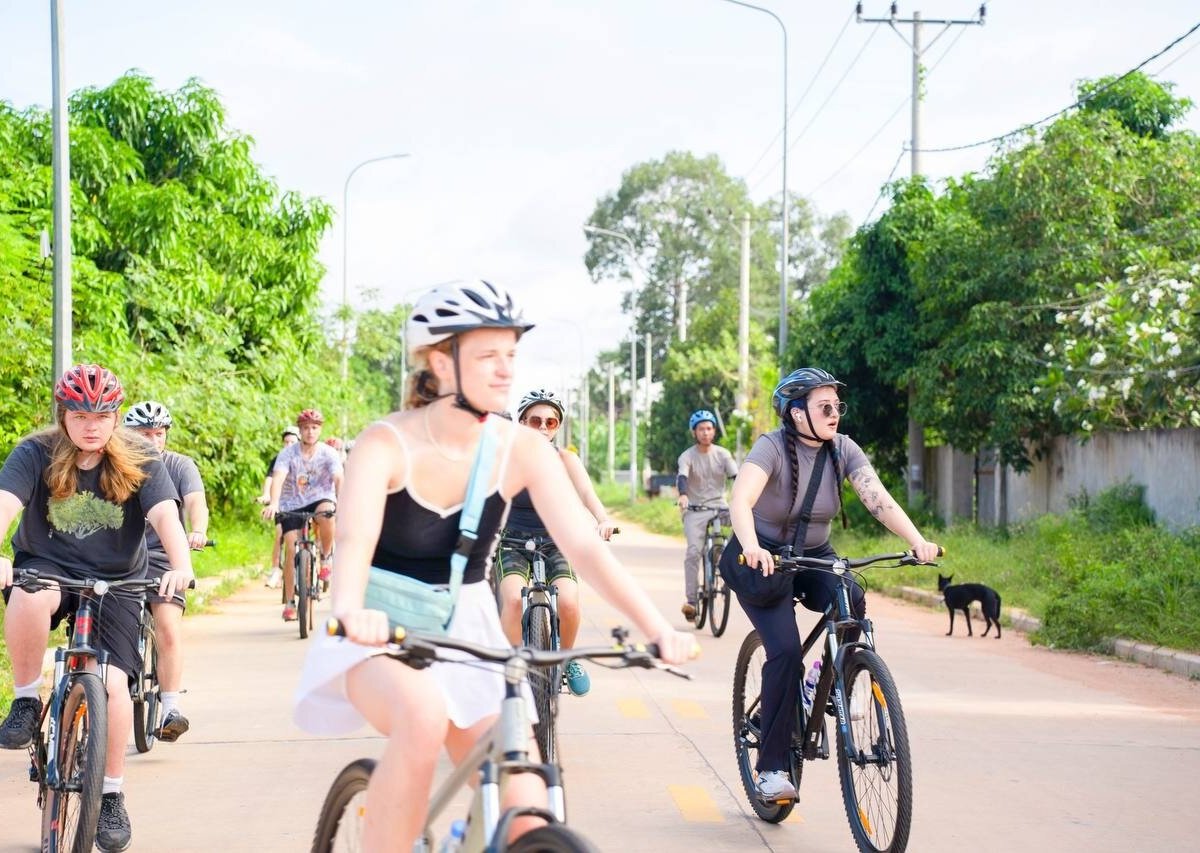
(450, 457)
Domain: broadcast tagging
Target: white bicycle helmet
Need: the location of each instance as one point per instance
(539, 396)
(461, 306)
(148, 415)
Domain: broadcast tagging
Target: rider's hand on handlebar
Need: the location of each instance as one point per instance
(174, 581)
(759, 559)
(682, 502)
(606, 529)
(677, 647)
(269, 511)
(197, 539)
(263, 499)
(365, 627)
(926, 551)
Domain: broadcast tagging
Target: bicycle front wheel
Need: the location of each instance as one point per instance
(304, 604)
(877, 780)
(340, 825)
(71, 809)
(553, 838)
(704, 593)
(145, 699)
(718, 616)
(747, 730)
(546, 684)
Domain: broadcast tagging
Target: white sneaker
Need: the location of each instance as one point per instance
(775, 785)
(274, 579)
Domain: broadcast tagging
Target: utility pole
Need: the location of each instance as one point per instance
(743, 388)
(915, 478)
(612, 425)
(633, 418)
(61, 320)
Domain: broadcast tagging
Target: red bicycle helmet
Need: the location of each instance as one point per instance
(89, 388)
(310, 416)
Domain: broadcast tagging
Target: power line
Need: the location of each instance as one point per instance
(883, 187)
(864, 147)
(1052, 116)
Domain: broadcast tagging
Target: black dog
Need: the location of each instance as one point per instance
(959, 597)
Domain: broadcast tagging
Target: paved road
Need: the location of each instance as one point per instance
(1014, 746)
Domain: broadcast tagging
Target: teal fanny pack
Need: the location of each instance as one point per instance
(426, 608)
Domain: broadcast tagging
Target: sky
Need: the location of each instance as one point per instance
(518, 115)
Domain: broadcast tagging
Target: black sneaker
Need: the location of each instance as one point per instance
(113, 833)
(173, 726)
(20, 727)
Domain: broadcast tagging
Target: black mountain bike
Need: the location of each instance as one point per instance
(67, 757)
(856, 688)
(308, 566)
(712, 596)
(499, 753)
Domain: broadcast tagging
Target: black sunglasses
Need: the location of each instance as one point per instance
(827, 409)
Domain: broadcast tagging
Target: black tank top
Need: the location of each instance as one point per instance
(417, 542)
(523, 516)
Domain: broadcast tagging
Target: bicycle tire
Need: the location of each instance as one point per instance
(146, 693)
(747, 680)
(878, 794)
(552, 838)
(341, 817)
(545, 684)
(69, 816)
(718, 616)
(704, 593)
(303, 590)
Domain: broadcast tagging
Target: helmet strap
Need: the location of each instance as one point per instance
(460, 401)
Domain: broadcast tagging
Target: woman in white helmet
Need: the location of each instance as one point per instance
(405, 487)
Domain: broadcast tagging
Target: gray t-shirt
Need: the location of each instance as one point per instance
(307, 480)
(86, 534)
(706, 473)
(186, 478)
(775, 512)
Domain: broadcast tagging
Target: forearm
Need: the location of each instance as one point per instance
(879, 503)
(197, 512)
(742, 518)
(353, 569)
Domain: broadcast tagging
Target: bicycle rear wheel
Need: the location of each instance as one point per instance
(553, 838)
(145, 692)
(747, 688)
(303, 590)
(70, 811)
(877, 783)
(704, 593)
(340, 824)
(545, 683)
(718, 616)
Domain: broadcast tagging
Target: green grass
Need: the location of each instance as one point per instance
(1100, 571)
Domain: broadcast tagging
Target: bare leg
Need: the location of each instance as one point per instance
(168, 640)
(289, 564)
(120, 721)
(568, 611)
(510, 610)
(27, 631)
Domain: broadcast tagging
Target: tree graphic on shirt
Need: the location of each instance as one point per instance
(83, 514)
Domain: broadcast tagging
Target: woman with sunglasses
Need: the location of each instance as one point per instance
(542, 411)
(782, 495)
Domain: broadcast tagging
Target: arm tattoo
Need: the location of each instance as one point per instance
(871, 492)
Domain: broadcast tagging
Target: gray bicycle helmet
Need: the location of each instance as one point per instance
(539, 396)
(461, 306)
(148, 414)
(797, 385)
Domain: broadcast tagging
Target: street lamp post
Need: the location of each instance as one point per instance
(783, 242)
(633, 421)
(346, 281)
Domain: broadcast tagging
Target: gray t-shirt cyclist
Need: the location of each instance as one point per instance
(706, 473)
(775, 512)
(186, 478)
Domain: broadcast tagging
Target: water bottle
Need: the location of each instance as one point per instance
(453, 842)
(810, 687)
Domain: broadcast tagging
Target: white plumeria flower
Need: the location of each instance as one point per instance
(1097, 358)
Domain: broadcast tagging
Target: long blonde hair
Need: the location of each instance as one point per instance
(423, 387)
(122, 465)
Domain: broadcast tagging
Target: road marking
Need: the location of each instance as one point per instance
(689, 709)
(794, 817)
(695, 804)
(634, 709)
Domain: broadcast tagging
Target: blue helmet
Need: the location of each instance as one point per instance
(700, 416)
(797, 384)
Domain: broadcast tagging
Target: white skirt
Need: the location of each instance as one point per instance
(471, 691)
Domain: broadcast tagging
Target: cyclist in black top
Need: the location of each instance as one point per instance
(291, 434)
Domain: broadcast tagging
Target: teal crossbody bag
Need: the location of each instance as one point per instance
(423, 607)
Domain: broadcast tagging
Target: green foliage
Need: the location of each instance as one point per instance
(1121, 507)
(196, 279)
(1143, 105)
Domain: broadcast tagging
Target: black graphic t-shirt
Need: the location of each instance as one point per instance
(86, 534)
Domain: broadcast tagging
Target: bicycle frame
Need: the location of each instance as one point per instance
(540, 592)
(70, 661)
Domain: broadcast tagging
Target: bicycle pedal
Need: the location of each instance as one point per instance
(33, 773)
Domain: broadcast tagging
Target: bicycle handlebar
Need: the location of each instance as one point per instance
(841, 564)
(405, 644)
(31, 580)
(304, 516)
(521, 543)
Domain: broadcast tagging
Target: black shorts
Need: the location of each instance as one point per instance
(290, 522)
(117, 615)
(157, 568)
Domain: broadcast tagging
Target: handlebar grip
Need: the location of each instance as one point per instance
(941, 551)
(210, 543)
(335, 628)
(616, 530)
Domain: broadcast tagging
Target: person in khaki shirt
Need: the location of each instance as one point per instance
(703, 469)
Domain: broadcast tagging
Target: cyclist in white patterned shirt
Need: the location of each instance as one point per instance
(152, 420)
(703, 469)
(307, 478)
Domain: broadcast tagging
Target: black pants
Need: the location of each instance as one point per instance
(784, 669)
